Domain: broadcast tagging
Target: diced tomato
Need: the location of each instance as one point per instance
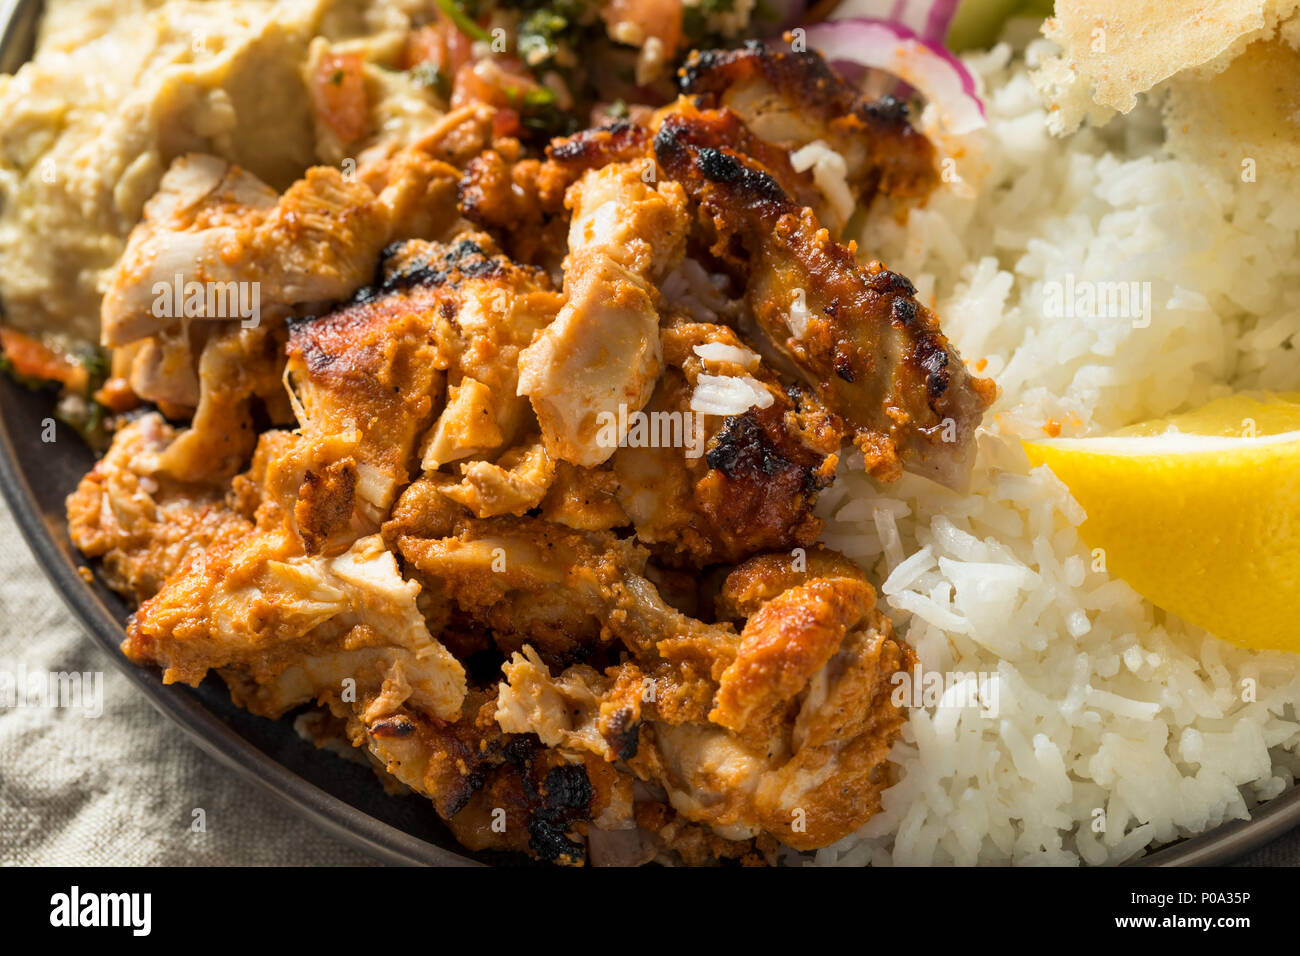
(439, 43)
(460, 48)
(505, 122)
(339, 95)
(424, 45)
(661, 19)
(117, 395)
(503, 82)
(31, 358)
(470, 87)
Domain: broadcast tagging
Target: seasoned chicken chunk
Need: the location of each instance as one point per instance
(483, 310)
(791, 99)
(299, 605)
(444, 316)
(520, 199)
(218, 245)
(213, 223)
(585, 499)
(526, 580)
(512, 485)
(292, 628)
(746, 482)
(144, 525)
(498, 790)
(241, 374)
(871, 352)
(781, 730)
(601, 354)
(369, 377)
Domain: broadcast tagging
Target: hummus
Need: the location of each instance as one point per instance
(117, 89)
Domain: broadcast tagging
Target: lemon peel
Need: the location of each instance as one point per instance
(1199, 513)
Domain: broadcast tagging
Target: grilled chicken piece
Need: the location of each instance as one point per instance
(223, 378)
(303, 604)
(873, 355)
(791, 99)
(414, 193)
(584, 499)
(520, 201)
(483, 310)
(744, 483)
(375, 368)
(144, 525)
(211, 222)
(496, 790)
(823, 786)
(760, 579)
(512, 485)
(782, 730)
(526, 580)
(367, 377)
(258, 255)
(287, 628)
(241, 372)
(601, 354)
(617, 142)
(163, 368)
(801, 185)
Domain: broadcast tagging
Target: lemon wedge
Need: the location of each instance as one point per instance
(1199, 513)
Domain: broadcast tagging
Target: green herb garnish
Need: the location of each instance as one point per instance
(464, 23)
(430, 77)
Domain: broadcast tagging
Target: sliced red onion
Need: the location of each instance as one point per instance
(928, 19)
(934, 72)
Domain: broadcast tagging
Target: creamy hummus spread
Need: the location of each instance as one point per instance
(117, 89)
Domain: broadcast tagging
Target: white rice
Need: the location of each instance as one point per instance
(728, 395)
(721, 352)
(830, 175)
(1117, 727)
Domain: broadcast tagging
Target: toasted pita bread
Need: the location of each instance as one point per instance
(1112, 50)
(1246, 119)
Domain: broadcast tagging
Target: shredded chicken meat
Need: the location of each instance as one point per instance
(512, 484)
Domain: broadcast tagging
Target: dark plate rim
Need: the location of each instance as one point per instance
(354, 827)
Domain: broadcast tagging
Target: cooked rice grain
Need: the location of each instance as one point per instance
(1117, 727)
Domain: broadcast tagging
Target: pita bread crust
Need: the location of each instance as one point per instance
(1250, 112)
(1112, 50)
